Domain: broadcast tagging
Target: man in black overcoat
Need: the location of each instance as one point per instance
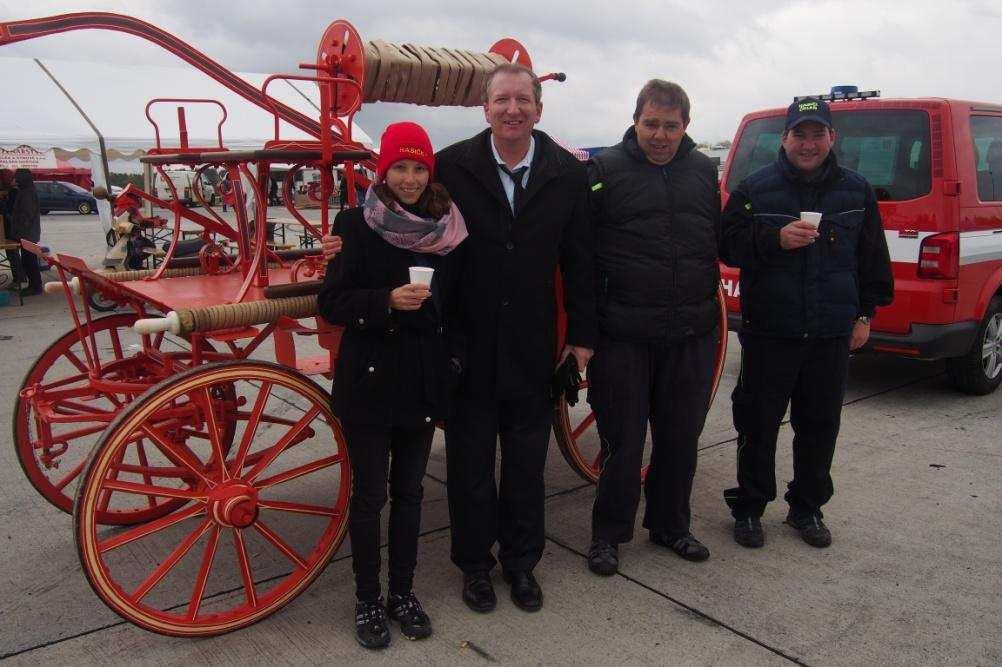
(525, 202)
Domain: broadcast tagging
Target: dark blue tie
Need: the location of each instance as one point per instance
(516, 177)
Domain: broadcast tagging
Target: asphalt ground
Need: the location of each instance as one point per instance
(914, 574)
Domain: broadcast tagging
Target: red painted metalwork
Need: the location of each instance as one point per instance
(207, 457)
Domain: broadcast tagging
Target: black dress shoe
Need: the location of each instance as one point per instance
(603, 558)
(525, 591)
(478, 592)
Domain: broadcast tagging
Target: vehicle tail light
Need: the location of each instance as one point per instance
(939, 256)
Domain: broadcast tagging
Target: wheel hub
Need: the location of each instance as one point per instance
(233, 504)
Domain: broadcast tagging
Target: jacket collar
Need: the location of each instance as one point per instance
(479, 161)
(829, 171)
(632, 147)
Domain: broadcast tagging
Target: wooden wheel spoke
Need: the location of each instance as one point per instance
(299, 471)
(157, 341)
(71, 475)
(168, 564)
(205, 398)
(251, 429)
(280, 544)
(245, 570)
(298, 508)
(274, 451)
(583, 426)
(147, 477)
(151, 490)
(81, 409)
(150, 528)
(102, 505)
(203, 574)
(76, 433)
(116, 343)
(178, 453)
(56, 384)
(75, 360)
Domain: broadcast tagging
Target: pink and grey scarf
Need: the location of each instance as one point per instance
(403, 229)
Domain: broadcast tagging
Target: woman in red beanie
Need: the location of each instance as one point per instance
(394, 367)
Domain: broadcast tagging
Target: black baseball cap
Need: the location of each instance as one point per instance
(808, 109)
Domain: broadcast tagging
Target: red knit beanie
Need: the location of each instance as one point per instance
(404, 141)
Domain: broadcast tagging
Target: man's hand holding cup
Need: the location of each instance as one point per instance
(800, 233)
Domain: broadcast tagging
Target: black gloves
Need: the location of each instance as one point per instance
(566, 380)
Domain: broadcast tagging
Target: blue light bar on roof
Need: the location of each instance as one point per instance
(840, 96)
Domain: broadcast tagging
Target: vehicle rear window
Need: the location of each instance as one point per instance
(890, 148)
(986, 131)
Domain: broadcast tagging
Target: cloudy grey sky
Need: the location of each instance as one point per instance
(731, 57)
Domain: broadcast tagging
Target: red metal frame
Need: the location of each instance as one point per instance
(169, 442)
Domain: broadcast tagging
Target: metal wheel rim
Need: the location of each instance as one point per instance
(991, 348)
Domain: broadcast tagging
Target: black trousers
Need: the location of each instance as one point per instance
(404, 452)
(809, 375)
(633, 383)
(24, 266)
(483, 512)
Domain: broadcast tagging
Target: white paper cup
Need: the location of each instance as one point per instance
(811, 217)
(421, 275)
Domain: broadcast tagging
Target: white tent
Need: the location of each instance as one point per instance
(36, 113)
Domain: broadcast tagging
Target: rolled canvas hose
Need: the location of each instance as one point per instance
(228, 316)
(432, 76)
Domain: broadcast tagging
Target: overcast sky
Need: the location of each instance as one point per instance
(731, 58)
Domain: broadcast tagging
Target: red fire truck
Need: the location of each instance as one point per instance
(936, 166)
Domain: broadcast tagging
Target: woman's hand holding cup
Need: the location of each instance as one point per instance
(409, 296)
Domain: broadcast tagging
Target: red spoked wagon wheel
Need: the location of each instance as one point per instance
(61, 409)
(575, 430)
(253, 533)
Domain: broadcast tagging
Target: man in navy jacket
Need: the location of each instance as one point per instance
(808, 292)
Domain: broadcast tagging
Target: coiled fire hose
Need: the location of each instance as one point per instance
(228, 316)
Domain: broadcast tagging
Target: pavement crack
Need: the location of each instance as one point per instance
(692, 610)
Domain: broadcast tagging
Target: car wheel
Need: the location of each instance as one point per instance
(979, 372)
(85, 208)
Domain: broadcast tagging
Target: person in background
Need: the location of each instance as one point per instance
(394, 368)
(24, 221)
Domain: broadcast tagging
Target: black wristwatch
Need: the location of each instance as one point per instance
(865, 319)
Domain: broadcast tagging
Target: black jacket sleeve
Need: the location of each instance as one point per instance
(577, 267)
(344, 298)
(743, 244)
(876, 279)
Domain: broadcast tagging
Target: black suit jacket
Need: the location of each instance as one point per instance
(508, 306)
